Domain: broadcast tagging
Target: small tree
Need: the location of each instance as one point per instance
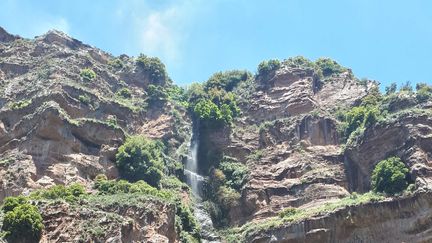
(140, 158)
(87, 74)
(391, 89)
(154, 67)
(390, 176)
(23, 224)
(266, 67)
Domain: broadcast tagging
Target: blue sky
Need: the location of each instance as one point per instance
(386, 40)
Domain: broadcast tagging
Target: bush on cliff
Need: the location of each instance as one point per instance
(87, 74)
(153, 66)
(140, 158)
(390, 176)
(23, 222)
(266, 67)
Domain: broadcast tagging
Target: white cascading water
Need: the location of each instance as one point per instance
(191, 171)
(195, 181)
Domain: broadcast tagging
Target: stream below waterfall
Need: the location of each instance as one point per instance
(196, 181)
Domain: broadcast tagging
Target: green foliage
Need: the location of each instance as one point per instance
(329, 66)
(360, 117)
(112, 121)
(195, 92)
(20, 104)
(407, 87)
(391, 89)
(23, 223)
(125, 93)
(140, 158)
(390, 176)
(226, 80)
(424, 92)
(227, 197)
(69, 193)
(207, 110)
(187, 219)
(85, 99)
(235, 174)
(266, 67)
(87, 74)
(172, 182)
(177, 94)
(300, 62)
(214, 103)
(112, 187)
(154, 67)
(156, 94)
(216, 115)
(9, 203)
(257, 154)
(372, 98)
(288, 212)
(116, 63)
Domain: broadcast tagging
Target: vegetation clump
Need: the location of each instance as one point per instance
(154, 67)
(69, 193)
(424, 92)
(266, 67)
(85, 99)
(329, 66)
(20, 104)
(390, 176)
(214, 102)
(87, 74)
(22, 221)
(140, 158)
(125, 93)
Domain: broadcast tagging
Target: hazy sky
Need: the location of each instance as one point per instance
(385, 40)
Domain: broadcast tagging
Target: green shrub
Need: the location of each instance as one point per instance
(407, 87)
(266, 67)
(112, 187)
(288, 212)
(20, 104)
(227, 80)
(187, 219)
(235, 173)
(172, 182)
(9, 203)
(390, 176)
(177, 94)
(227, 197)
(329, 66)
(391, 89)
(85, 99)
(300, 62)
(140, 158)
(373, 97)
(424, 92)
(359, 117)
(69, 193)
(116, 63)
(23, 224)
(154, 67)
(124, 92)
(207, 110)
(156, 94)
(87, 74)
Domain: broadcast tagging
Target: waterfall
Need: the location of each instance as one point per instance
(196, 181)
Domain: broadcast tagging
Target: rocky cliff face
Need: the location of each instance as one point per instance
(59, 126)
(288, 137)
